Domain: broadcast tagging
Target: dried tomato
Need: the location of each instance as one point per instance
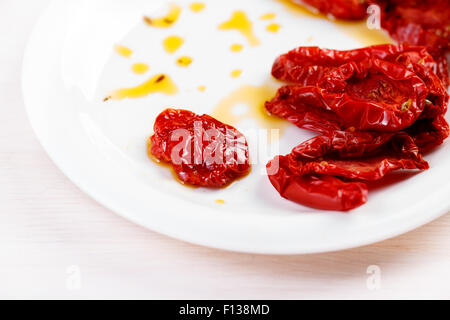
(341, 9)
(425, 23)
(429, 133)
(202, 150)
(316, 191)
(370, 95)
(326, 171)
(306, 66)
(299, 106)
(310, 66)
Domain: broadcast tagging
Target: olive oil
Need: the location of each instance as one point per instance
(166, 21)
(240, 22)
(123, 51)
(160, 83)
(139, 68)
(172, 43)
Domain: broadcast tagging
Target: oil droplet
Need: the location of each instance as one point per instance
(236, 47)
(197, 6)
(355, 29)
(268, 16)
(201, 88)
(167, 21)
(310, 39)
(123, 51)
(254, 97)
(184, 61)
(241, 23)
(273, 27)
(220, 201)
(236, 73)
(139, 68)
(157, 84)
(172, 43)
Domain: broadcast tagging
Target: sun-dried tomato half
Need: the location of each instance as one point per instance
(311, 66)
(429, 133)
(202, 150)
(425, 23)
(327, 171)
(316, 191)
(301, 106)
(369, 95)
(306, 66)
(341, 9)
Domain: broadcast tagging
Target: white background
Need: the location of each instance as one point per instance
(48, 225)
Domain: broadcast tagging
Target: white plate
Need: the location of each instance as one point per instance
(70, 65)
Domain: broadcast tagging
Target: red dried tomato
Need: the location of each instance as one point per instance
(429, 133)
(312, 174)
(312, 66)
(341, 9)
(306, 66)
(425, 23)
(202, 150)
(301, 107)
(368, 95)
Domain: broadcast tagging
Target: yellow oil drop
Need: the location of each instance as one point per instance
(240, 22)
(197, 6)
(168, 20)
(201, 88)
(160, 83)
(236, 73)
(184, 61)
(254, 97)
(139, 68)
(123, 51)
(355, 29)
(273, 27)
(172, 43)
(268, 16)
(310, 39)
(220, 201)
(236, 47)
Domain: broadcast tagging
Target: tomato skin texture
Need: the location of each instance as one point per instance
(423, 23)
(315, 191)
(306, 66)
(429, 133)
(341, 9)
(376, 108)
(365, 96)
(319, 99)
(189, 158)
(312, 174)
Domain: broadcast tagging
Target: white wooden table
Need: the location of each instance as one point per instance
(55, 242)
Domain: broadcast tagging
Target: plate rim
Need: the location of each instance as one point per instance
(439, 211)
